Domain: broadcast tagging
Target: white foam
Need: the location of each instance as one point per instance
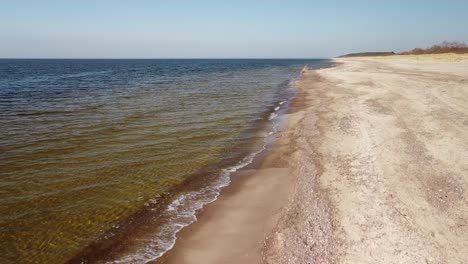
(182, 211)
(272, 116)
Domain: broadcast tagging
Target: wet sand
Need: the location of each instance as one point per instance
(234, 227)
(372, 168)
(231, 230)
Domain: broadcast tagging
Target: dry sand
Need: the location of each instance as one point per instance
(372, 168)
(388, 142)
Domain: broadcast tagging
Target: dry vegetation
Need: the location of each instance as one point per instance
(455, 57)
(444, 47)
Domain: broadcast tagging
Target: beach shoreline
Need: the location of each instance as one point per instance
(257, 200)
(233, 228)
(151, 232)
(370, 168)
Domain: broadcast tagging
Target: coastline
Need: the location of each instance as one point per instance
(370, 168)
(232, 229)
(137, 239)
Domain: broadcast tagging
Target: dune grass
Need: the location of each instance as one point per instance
(431, 57)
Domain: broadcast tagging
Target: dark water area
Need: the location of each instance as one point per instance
(93, 151)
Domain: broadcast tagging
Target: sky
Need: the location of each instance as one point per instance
(224, 29)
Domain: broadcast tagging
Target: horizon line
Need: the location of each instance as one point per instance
(129, 58)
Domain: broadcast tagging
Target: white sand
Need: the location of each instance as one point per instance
(381, 165)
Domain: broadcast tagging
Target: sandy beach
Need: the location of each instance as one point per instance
(372, 168)
(232, 132)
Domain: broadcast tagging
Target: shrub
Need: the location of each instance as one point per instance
(444, 47)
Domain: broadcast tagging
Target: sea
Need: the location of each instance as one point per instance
(105, 160)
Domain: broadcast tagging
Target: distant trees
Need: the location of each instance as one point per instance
(444, 47)
(367, 54)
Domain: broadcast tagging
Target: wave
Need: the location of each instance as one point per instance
(183, 209)
(41, 113)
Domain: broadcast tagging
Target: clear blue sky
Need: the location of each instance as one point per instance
(224, 29)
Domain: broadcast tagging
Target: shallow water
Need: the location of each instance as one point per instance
(87, 144)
